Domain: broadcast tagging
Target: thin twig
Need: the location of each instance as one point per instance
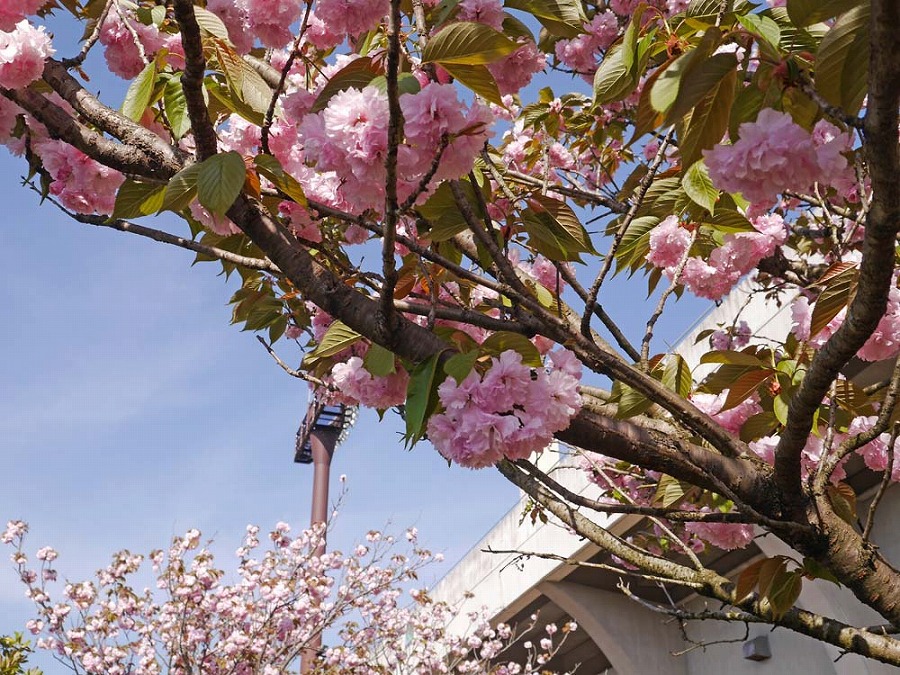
(885, 482)
(639, 194)
(292, 371)
(261, 264)
(676, 279)
(270, 111)
(77, 60)
(588, 564)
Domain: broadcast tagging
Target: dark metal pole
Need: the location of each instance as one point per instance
(322, 441)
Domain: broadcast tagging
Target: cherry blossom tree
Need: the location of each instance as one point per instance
(713, 140)
(283, 596)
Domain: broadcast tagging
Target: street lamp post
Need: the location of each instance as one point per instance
(323, 429)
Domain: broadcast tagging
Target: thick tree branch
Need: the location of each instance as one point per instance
(879, 246)
(391, 202)
(326, 290)
(192, 80)
(162, 156)
(709, 583)
(61, 125)
(675, 515)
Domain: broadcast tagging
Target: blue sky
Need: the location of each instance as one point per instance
(131, 411)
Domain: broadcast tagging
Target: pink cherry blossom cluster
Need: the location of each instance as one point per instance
(774, 154)
(268, 20)
(732, 419)
(511, 411)
(79, 182)
(732, 337)
(812, 453)
(357, 385)
(342, 18)
(13, 11)
(23, 50)
(515, 71)
(129, 43)
(581, 53)
(716, 275)
(349, 139)
(884, 343)
(281, 597)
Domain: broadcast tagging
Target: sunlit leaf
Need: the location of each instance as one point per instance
(468, 43)
(220, 180)
(137, 98)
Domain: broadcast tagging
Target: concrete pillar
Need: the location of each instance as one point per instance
(634, 639)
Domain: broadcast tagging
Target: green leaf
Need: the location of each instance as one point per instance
(220, 181)
(763, 26)
(337, 338)
(137, 98)
(476, 77)
(747, 104)
(698, 83)
(677, 376)
(794, 38)
(564, 18)
(210, 23)
(770, 570)
(780, 406)
(136, 199)
(699, 186)
(636, 240)
(563, 214)
(733, 357)
(548, 237)
(271, 168)
(631, 402)
(181, 189)
(175, 106)
(705, 125)
(357, 74)
(421, 397)
(379, 361)
(843, 501)
(784, 591)
(441, 210)
(469, 44)
(460, 365)
(666, 87)
(808, 12)
(757, 426)
(502, 341)
(245, 84)
(669, 491)
(614, 80)
(837, 294)
(264, 314)
(842, 63)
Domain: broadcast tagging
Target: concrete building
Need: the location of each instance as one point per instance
(618, 636)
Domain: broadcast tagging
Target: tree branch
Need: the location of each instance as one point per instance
(391, 202)
(192, 80)
(879, 247)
